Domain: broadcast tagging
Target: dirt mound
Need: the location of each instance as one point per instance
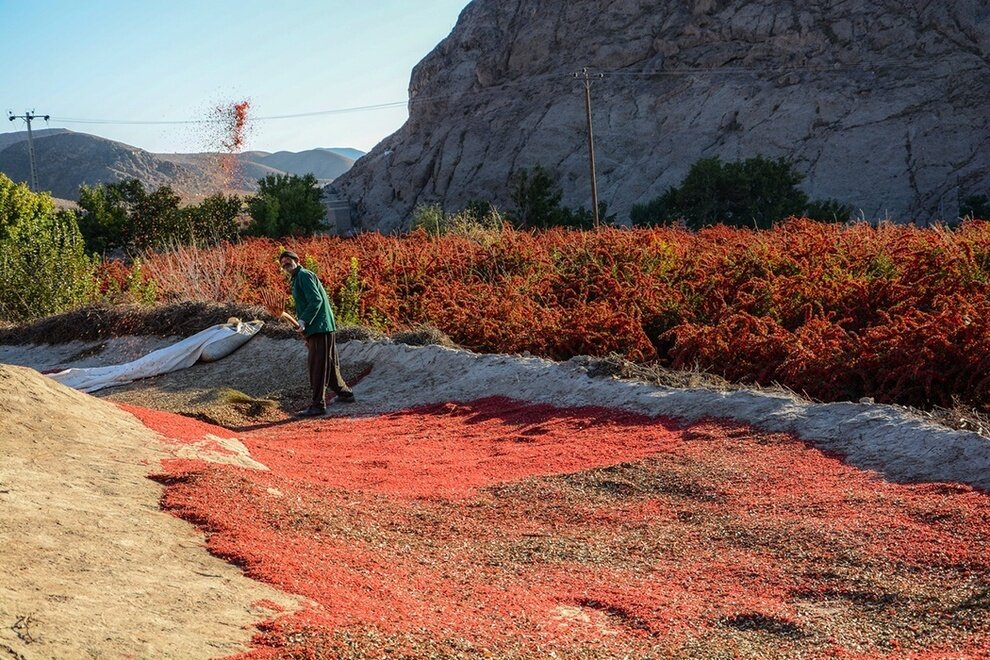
(425, 335)
(615, 366)
(91, 567)
(346, 333)
(97, 322)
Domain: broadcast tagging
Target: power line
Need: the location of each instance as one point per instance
(315, 113)
(78, 120)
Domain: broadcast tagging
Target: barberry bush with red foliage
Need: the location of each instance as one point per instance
(898, 313)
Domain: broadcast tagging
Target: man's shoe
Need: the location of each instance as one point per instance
(313, 411)
(345, 397)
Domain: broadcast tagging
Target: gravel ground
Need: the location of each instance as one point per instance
(262, 381)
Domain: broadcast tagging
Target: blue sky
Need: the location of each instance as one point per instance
(154, 60)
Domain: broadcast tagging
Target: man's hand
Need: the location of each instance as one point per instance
(300, 326)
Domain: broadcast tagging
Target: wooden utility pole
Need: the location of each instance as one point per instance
(587, 77)
(27, 117)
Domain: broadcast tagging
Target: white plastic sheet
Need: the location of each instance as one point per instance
(214, 343)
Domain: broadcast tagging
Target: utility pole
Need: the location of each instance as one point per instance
(587, 77)
(28, 116)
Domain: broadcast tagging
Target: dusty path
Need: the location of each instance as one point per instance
(91, 566)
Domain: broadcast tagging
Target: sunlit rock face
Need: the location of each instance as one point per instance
(881, 105)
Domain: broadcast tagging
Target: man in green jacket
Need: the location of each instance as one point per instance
(316, 324)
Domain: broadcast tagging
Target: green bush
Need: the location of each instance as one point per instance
(430, 218)
(475, 221)
(655, 212)
(43, 264)
(755, 193)
(350, 296)
(138, 288)
(535, 196)
(827, 210)
(583, 218)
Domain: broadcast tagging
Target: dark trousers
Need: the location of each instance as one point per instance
(324, 366)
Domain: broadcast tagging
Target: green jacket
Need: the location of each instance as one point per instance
(312, 304)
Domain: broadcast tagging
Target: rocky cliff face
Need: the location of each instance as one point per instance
(882, 105)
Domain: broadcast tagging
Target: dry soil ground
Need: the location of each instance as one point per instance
(475, 504)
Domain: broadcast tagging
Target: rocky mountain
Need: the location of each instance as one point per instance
(66, 160)
(882, 105)
(324, 164)
(7, 139)
(347, 152)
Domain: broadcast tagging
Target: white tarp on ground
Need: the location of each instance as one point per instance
(209, 345)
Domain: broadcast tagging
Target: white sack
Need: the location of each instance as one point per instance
(211, 344)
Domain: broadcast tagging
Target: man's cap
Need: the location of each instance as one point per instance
(288, 253)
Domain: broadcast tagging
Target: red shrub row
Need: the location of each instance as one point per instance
(898, 313)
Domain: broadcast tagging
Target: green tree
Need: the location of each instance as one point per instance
(536, 198)
(752, 193)
(43, 264)
(104, 219)
(213, 220)
(124, 215)
(476, 220)
(156, 220)
(286, 205)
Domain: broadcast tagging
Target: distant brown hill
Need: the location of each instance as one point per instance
(324, 164)
(7, 139)
(67, 160)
